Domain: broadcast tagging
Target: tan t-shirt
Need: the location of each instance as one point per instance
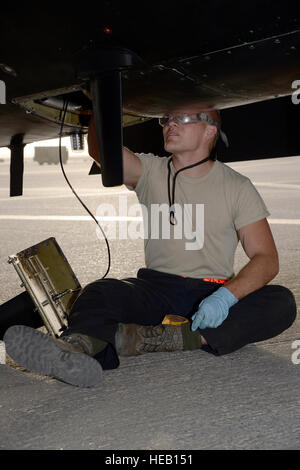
(209, 210)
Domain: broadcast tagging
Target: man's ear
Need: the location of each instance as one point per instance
(211, 131)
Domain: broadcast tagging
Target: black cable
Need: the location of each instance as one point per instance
(64, 110)
(172, 217)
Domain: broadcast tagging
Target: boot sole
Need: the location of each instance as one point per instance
(40, 353)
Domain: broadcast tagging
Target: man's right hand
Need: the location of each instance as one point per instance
(132, 167)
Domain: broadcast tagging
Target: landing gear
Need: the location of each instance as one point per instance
(16, 164)
(103, 68)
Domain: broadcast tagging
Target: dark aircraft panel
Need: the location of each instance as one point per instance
(268, 129)
(229, 54)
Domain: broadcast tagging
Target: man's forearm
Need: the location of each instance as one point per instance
(260, 270)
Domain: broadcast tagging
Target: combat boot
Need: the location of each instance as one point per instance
(132, 339)
(66, 359)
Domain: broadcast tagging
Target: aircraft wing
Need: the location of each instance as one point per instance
(128, 65)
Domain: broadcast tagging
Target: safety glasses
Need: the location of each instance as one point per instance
(186, 119)
(189, 118)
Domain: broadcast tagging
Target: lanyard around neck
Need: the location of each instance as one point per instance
(172, 219)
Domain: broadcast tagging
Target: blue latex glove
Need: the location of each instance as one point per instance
(213, 310)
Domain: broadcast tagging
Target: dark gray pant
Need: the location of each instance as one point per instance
(147, 298)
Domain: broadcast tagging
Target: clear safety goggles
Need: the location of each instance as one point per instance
(190, 118)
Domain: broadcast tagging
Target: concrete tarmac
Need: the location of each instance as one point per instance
(174, 401)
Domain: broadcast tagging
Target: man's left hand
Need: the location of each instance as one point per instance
(213, 310)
